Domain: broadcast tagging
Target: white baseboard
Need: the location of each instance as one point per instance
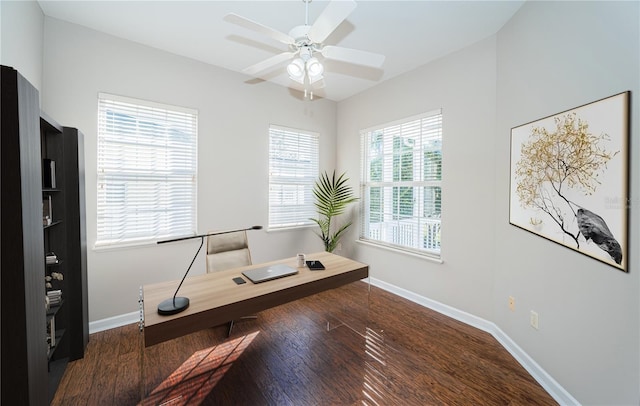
(540, 375)
(113, 322)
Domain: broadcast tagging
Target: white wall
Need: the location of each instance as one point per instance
(463, 85)
(550, 57)
(553, 56)
(234, 118)
(21, 27)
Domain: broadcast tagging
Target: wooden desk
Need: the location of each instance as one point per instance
(215, 299)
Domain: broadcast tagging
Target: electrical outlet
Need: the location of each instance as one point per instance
(533, 319)
(512, 303)
(339, 247)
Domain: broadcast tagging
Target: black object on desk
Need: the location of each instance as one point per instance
(315, 265)
(239, 280)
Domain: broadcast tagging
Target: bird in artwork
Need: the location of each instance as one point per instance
(594, 228)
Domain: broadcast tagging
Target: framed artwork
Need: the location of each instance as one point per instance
(569, 179)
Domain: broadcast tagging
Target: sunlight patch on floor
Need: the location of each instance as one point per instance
(378, 384)
(198, 375)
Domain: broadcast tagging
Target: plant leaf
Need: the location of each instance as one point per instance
(332, 196)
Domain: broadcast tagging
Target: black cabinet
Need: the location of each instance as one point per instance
(65, 246)
(55, 278)
(44, 262)
(24, 349)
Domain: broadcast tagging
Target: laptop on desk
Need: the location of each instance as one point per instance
(268, 273)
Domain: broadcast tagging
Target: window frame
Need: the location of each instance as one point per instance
(423, 229)
(306, 209)
(165, 141)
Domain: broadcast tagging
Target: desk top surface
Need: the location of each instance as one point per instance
(218, 290)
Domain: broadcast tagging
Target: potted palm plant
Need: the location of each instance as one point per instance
(332, 197)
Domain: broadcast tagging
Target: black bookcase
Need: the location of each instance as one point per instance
(24, 350)
(32, 365)
(65, 238)
(54, 230)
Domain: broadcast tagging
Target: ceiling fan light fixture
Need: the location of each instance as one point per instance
(314, 68)
(314, 79)
(296, 69)
(305, 53)
(306, 40)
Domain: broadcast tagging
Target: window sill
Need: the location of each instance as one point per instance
(123, 246)
(428, 257)
(291, 228)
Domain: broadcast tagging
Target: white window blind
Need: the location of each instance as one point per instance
(401, 184)
(147, 165)
(293, 171)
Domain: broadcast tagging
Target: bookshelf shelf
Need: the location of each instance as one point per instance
(53, 310)
(55, 223)
(59, 335)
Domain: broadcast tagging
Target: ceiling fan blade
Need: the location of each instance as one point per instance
(330, 18)
(353, 56)
(268, 63)
(257, 27)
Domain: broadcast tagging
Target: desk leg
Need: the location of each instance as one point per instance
(381, 382)
(141, 335)
(355, 315)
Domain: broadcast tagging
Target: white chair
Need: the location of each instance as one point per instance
(225, 251)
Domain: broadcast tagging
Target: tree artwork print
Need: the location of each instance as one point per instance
(569, 178)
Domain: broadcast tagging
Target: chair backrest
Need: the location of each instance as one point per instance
(225, 251)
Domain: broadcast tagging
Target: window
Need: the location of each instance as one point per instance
(293, 171)
(147, 166)
(401, 191)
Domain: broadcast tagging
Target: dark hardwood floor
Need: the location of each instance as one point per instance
(393, 352)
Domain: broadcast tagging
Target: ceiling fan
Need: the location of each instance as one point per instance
(306, 41)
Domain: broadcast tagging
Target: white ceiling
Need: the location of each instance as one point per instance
(408, 33)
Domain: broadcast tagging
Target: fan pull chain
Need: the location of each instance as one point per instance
(308, 93)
